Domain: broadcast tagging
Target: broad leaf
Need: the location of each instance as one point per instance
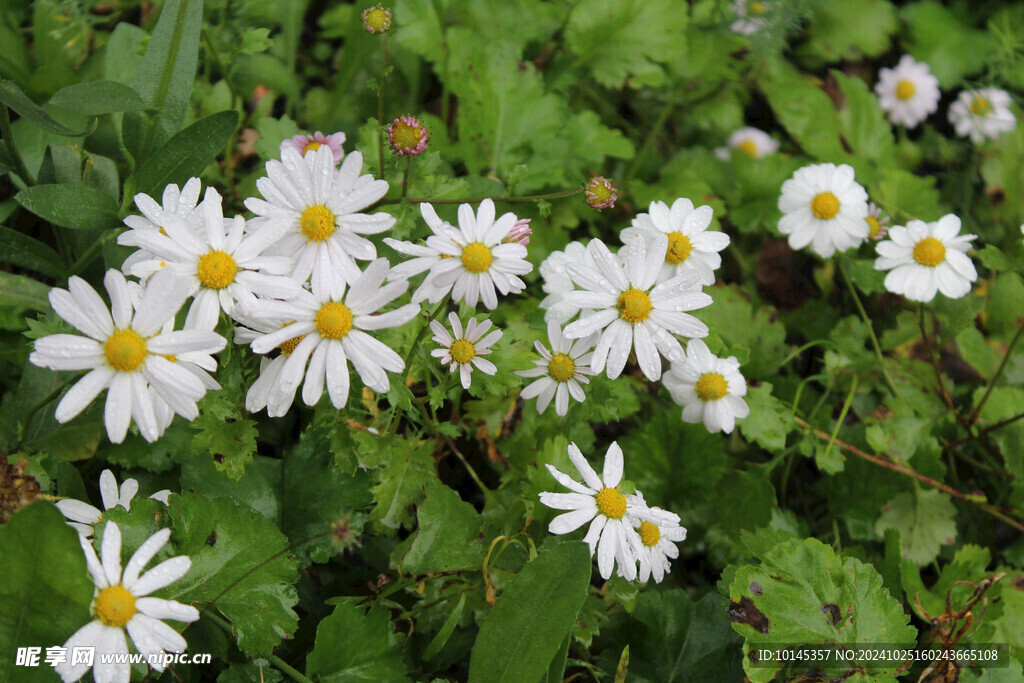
(448, 536)
(21, 291)
(356, 645)
(12, 96)
(98, 97)
(924, 518)
(79, 207)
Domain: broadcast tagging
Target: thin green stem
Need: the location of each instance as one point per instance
(477, 200)
(393, 424)
(405, 177)
(871, 329)
(842, 417)
(92, 252)
(933, 360)
(237, 101)
(12, 150)
(995, 378)
(278, 663)
(380, 102)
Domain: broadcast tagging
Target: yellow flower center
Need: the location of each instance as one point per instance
(748, 146)
(289, 346)
(406, 136)
(650, 534)
(611, 503)
(462, 351)
(873, 226)
(114, 606)
(317, 223)
(825, 205)
(310, 146)
(561, 368)
(756, 9)
(476, 257)
(679, 248)
(634, 306)
(125, 350)
(929, 252)
(711, 386)
(376, 19)
(333, 320)
(216, 269)
(905, 89)
(981, 106)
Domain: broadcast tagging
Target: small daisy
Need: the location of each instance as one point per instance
(225, 267)
(259, 394)
(472, 261)
(407, 136)
(753, 142)
(655, 542)
(878, 225)
(923, 258)
(181, 203)
(561, 371)
(630, 311)
(981, 114)
(709, 388)
(597, 499)
(316, 209)
(823, 206)
(462, 351)
(127, 351)
(308, 143)
(82, 516)
(909, 92)
(423, 256)
(332, 329)
(749, 16)
(691, 246)
(122, 604)
(557, 281)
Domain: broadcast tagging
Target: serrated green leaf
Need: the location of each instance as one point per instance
(98, 97)
(906, 196)
(239, 567)
(532, 615)
(924, 519)
(12, 96)
(79, 207)
(187, 153)
(946, 42)
(677, 639)
(401, 483)
(46, 590)
(864, 126)
(770, 419)
(448, 536)
(803, 592)
(850, 29)
(806, 112)
(356, 645)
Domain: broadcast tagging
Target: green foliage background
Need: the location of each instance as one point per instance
(882, 481)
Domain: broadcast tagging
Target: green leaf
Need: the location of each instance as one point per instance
(905, 196)
(46, 590)
(223, 429)
(968, 565)
(864, 126)
(448, 536)
(850, 29)
(445, 633)
(806, 112)
(23, 251)
(742, 325)
(164, 80)
(948, 43)
(187, 153)
(401, 483)
(12, 96)
(79, 207)
(770, 419)
(124, 53)
(803, 592)
(98, 97)
(272, 133)
(619, 40)
(677, 639)
(240, 565)
(353, 645)
(532, 615)
(21, 291)
(924, 519)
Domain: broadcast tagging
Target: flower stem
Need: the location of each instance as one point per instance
(12, 150)
(934, 362)
(995, 378)
(380, 102)
(871, 330)
(393, 424)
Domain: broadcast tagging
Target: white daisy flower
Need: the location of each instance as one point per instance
(561, 370)
(753, 142)
(691, 246)
(121, 603)
(127, 352)
(878, 225)
(909, 93)
(749, 16)
(424, 256)
(982, 114)
(317, 211)
(557, 281)
(331, 327)
(224, 265)
(181, 203)
(258, 396)
(630, 311)
(471, 261)
(823, 206)
(82, 516)
(710, 389)
(597, 499)
(655, 541)
(462, 351)
(923, 258)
